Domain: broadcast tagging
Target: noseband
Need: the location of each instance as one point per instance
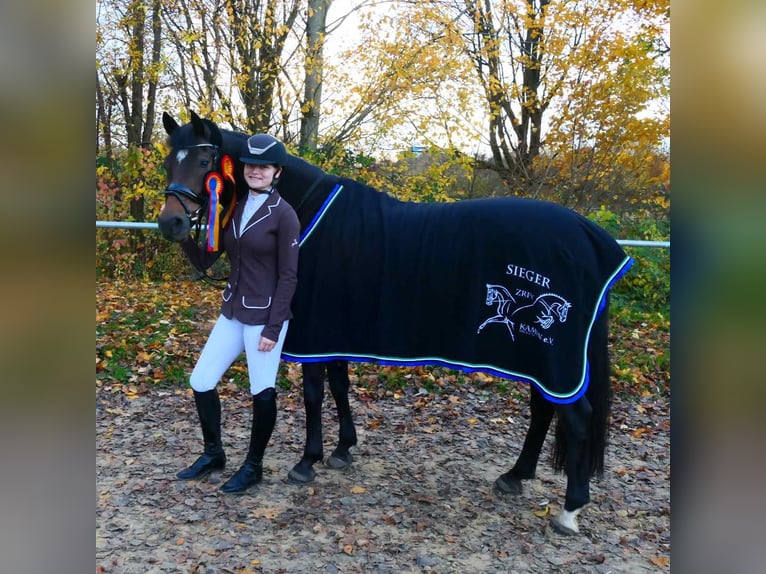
(180, 191)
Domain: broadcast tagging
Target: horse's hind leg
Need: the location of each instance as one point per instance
(526, 464)
(575, 419)
(313, 394)
(581, 440)
(337, 374)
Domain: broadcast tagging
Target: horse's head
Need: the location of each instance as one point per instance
(194, 152)
(197, 148)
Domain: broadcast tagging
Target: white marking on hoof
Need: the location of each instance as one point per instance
(566, 522)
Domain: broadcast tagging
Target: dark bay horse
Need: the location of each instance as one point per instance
(402, 283)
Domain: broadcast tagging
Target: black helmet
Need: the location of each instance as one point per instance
(263, 149)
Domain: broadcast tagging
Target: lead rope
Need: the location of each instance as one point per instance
(217, 282)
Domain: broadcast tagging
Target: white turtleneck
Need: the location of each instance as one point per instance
(254, 201)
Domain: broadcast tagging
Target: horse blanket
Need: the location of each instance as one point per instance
(506, 286)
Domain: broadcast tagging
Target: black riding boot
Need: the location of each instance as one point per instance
(209, 411)
(264, 418)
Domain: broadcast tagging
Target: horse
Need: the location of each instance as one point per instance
(500, 295)
(402, 283)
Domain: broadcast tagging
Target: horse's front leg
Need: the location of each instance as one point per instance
(337, 374)
(526, 465)
(313, 394)
(575, 422)
(494, 319)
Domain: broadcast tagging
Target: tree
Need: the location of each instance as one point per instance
(259, 31)
(316, 22)
(128, 75)
(561, 81)
(229, 57)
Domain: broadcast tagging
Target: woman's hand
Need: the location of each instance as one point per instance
(265, 344)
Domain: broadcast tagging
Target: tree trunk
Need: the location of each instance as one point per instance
(153, 80)
(314, 67)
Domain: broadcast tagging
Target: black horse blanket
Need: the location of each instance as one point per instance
(505, 286)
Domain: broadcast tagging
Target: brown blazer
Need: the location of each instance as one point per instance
(264, 264)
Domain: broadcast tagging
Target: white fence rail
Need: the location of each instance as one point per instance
(140, 225)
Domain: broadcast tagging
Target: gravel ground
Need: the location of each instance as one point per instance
(418, 497)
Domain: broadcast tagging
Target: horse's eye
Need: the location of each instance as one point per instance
(204, 162)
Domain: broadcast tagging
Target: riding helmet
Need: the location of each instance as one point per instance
(263, 149)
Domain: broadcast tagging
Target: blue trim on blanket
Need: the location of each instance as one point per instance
(424, 361)
(558, 398)
(319, 214)
(621, 270)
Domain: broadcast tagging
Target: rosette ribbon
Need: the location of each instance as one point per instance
(214, 186)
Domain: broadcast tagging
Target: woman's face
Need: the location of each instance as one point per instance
(260, 177)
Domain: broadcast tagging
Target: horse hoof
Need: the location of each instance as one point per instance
(505, 486)
(298, 477)
(339, 463)
(566, 523)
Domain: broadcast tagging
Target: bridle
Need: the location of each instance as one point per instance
(180, 191)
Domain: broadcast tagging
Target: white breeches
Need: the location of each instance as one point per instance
(227, 340)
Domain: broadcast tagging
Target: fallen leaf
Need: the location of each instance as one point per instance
(358, 489)
(266, 512)
(544, 512)
(639, 432)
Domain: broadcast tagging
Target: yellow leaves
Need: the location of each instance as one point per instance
(501, 421)
(356, 489)
(270, 513)
(661, 561)
(639, 432)
(542, 513)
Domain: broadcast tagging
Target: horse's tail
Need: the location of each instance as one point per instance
(599, 395)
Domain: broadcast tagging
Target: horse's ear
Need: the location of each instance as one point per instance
(197, 124)
(215, 134)
(170, 124)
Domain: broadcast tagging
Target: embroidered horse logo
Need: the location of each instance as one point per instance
(546, 309)
(500, 295)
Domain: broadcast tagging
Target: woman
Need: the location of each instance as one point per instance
(261, 243)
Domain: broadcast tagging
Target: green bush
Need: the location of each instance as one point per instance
(646, 286)
(130, 176)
